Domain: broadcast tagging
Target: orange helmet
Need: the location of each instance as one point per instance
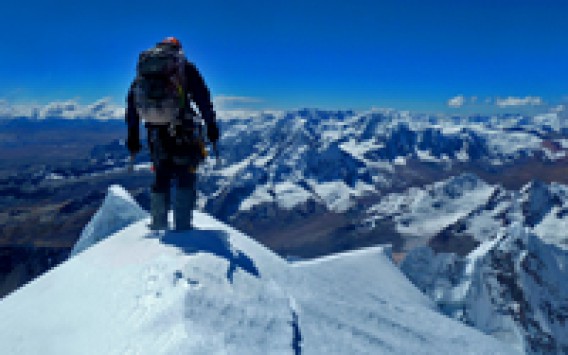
(172, 40)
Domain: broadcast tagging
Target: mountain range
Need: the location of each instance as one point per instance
(280, 168)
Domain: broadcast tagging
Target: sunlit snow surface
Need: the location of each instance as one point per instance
(214, 290)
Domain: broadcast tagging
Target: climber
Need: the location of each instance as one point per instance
(165, 94)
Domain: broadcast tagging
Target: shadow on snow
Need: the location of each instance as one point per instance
(212, 242)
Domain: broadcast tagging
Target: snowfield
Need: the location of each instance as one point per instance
(214, 290)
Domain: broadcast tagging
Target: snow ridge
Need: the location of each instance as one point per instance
(118, 211)
(215, 290)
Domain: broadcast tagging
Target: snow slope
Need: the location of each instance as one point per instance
(215, 290)
(118, 211)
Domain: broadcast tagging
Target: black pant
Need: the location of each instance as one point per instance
(169, 162)
(165, 171)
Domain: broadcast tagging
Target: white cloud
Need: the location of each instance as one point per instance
(225, 102)
(8, 110)
(60, 109)
(519, 101)
(102, 109)
(558, 109)
(456, 102)
(105, 109)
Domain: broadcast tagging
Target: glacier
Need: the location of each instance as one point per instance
(215, 290)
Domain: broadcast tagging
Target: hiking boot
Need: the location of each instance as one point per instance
(159, 211)
(183, 208)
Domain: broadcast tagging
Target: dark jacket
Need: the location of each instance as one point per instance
(199, 93)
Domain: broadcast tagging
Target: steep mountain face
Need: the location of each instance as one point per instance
(215, 290)
(511, 281)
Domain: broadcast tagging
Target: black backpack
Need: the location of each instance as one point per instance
(159, 87)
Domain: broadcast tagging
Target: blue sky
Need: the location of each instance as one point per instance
(413, 55)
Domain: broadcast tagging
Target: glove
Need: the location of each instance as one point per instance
(212, 132)
(133, 144)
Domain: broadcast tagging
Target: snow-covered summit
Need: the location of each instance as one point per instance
(215, 290)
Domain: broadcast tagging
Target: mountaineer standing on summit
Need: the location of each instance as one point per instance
(161, 95)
